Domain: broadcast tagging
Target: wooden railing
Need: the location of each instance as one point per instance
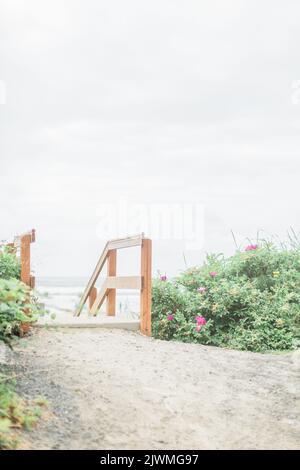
(21, 245)
(113, 282)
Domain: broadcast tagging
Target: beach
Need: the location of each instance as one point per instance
(115, 389)
(61, 295)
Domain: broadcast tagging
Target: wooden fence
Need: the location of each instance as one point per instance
(21, 245)
(143, 282)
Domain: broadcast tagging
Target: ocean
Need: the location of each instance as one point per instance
(61, 295)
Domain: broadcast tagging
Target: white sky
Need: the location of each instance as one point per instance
(152, 102)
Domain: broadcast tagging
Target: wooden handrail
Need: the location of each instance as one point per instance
(113, 282)
(110, 245)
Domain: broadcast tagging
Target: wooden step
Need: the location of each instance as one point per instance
(85, 321)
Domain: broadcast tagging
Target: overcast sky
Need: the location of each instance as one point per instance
(163, 102)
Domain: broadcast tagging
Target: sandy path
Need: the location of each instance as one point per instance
(117, 389)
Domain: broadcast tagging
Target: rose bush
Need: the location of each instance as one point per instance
(250, 301)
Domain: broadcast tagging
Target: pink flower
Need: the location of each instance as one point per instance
(163, 278)
(213, 274)
(200, 320)
(198, 328)
(251, 247)
(170, 317)
(202, 290)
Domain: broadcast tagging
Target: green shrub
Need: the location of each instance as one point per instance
(15, 299)
(15, 413)
(249, 301)
(9, 264)
(17, 305)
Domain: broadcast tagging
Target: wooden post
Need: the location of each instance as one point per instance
(25, 241)
(146, 291)
(92, 297)
(25, 259)
(32, 282)
(111, 271)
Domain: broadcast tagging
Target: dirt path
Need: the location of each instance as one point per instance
(115, 389)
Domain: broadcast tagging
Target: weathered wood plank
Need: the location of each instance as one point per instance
(125, 243)
(92, 296)
(18, 239)
(92, 280)
(99, 299)
(25, 259)
(124, 282)
(146, 291)
(32, 282)
(110, 245)
(111, 271)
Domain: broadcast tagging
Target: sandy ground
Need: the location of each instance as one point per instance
(114, 389)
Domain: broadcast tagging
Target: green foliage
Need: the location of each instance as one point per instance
(252, 303)
(15, 299)
(15, 413)
(17, 306)
(9, 264)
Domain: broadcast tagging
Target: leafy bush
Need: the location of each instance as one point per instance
(16, 306)
(9, 264)
(16, 302)
(15, 413)
(250, 301)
